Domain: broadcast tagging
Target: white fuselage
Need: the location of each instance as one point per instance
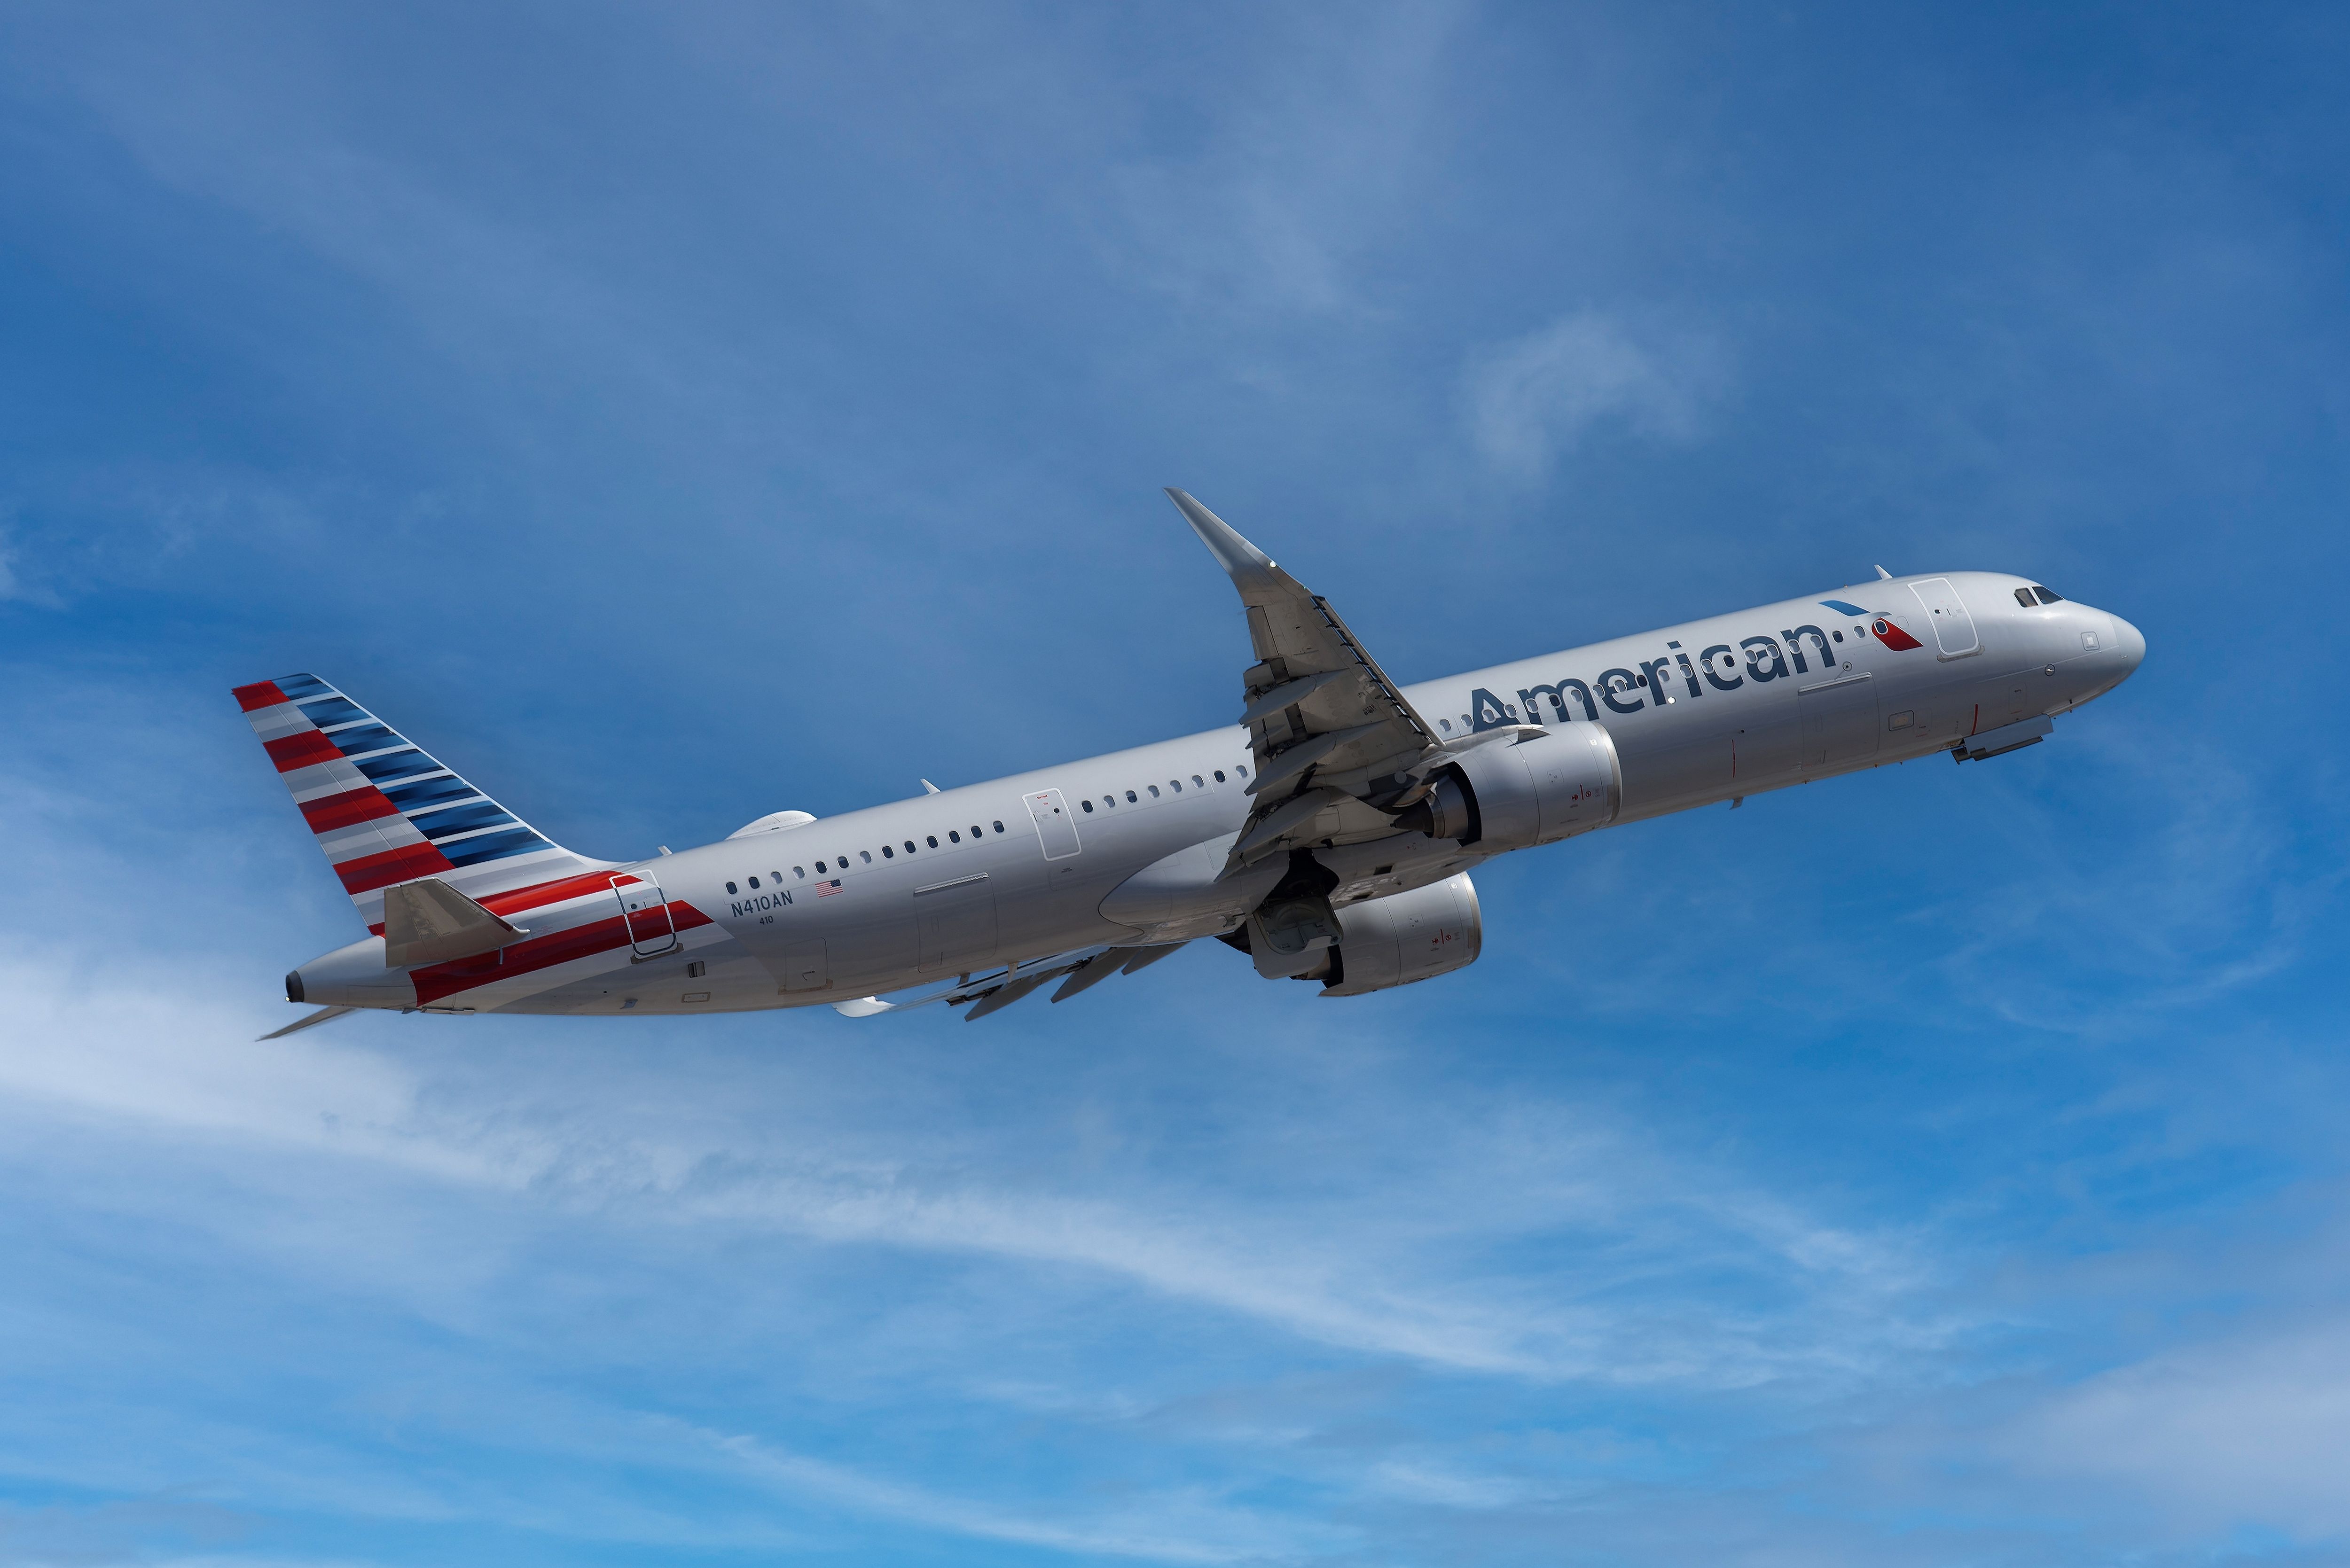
(842, 908)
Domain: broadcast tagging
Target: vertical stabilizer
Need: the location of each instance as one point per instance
(384, 811)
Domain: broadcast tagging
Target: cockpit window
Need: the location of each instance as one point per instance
(2047, 597)
(2023, 598)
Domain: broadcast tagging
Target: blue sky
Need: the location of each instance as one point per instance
(670, 415)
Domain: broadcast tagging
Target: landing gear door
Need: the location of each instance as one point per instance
(644, 911)
(1954, 629)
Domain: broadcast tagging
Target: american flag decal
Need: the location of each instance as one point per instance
(826, 889)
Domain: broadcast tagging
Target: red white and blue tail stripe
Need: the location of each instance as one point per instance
(383, 810)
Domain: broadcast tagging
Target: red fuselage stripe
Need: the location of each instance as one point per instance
(553, 892)
(434, 982)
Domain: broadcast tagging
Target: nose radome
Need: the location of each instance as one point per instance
(2132, 642)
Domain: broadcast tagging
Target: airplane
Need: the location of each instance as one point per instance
(1328, 835)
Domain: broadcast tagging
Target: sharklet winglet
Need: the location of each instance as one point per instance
(1241, 559)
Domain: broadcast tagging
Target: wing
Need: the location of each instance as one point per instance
(1337, 748)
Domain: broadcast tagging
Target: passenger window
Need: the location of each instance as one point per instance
(798, 873)
(1087, 803)
(1241, 768)
(2048, 596)
(2023, 598)
(1445, 724)
(777, 876)
(819, 868)
(999, 827)
(931, 839)
(887, 853)
(1199, 782)
(1109, 800)
(1129, 797)
(910, 847)
(1220, 775)
(1152, 788)
(953, 836)
(754, 881)
(1838, 635)
(730, 886)
(865, 856)
(1175, 785)
(974, 831)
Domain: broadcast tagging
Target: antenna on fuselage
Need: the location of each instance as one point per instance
(1883, 576)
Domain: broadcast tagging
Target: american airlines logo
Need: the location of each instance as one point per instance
(1651, 683)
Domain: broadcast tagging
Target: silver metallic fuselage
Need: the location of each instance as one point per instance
(1689, 731)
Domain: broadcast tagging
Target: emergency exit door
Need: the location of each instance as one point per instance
(1056, 828)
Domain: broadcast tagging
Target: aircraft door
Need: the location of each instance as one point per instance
(1839, 720)
(644, 912)
(1954, 629)
(1056, 828)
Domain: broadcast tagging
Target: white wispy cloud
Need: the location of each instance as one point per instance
(1166, 1528)
(1307, 158)
(1531, 400)
(2253, 1425)
(173, 1055)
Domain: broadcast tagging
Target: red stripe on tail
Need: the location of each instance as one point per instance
(405, 864)
(260, 694)
(306, 750)
(365, 804)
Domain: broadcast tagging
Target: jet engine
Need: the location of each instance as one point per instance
(1537, 789)
(1404, 936)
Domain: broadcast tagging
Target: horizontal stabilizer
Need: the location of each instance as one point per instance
(428, 921)
(324, 1015)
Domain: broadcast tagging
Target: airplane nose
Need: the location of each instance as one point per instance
(2133, 646)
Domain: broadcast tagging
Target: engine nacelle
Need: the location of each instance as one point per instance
(1404, 936)
(1536, 789)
